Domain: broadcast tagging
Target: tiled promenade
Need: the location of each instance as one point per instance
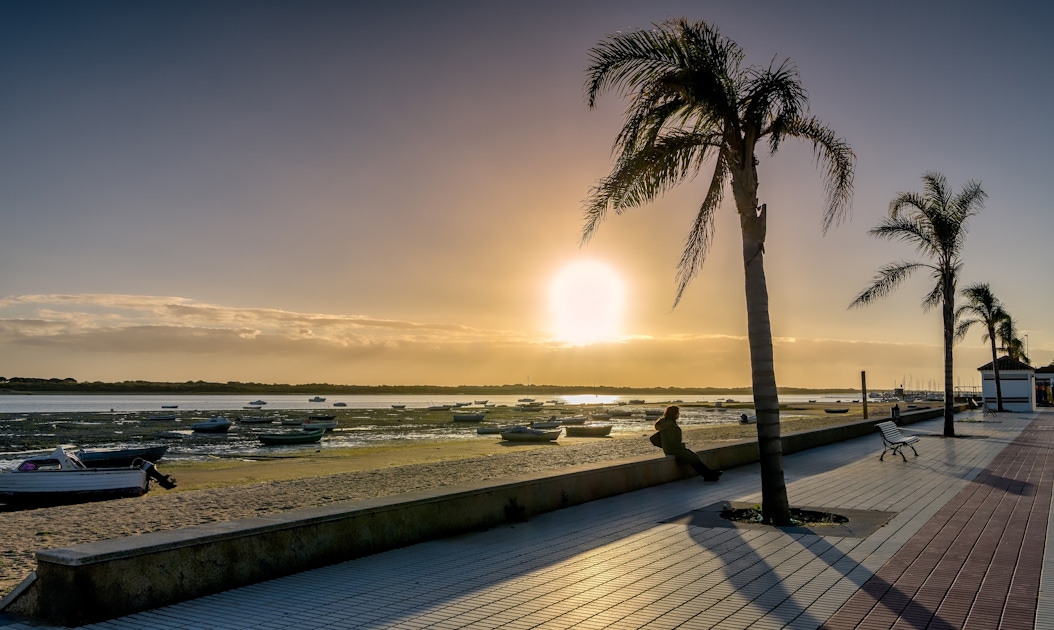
(964, 548)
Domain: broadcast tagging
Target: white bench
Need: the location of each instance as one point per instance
(893, 440)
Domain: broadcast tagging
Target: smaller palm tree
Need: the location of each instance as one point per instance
(983, 307)
(934, 222)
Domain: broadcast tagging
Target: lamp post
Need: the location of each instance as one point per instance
(1026, 346)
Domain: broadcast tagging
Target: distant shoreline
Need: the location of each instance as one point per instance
(28, 386)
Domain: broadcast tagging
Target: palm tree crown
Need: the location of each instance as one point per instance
(692, 103)
(935, 222)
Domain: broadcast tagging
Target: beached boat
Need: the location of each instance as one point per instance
(340, 404)
(122, 458)
(745, 419)
(588, 430)
(292, 422)
(525, 400)
(212, 425)
(600, 416)
(167, 416)
(620, 413)
(316, 399)
(653, 413)
(480, 402)
(636, 401)
(544, 424)
(573, 420)
(525, 434)
(62, 478)
(398, 406)
(836, 411)
(438, 408)
(326, 423)
(491, 430)
(469, 417)
(291, 437)
(170, 406)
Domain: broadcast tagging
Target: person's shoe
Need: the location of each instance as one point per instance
(713, 475)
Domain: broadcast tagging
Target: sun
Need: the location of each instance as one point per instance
(586, 300)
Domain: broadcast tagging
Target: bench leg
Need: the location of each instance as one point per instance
(913, 450)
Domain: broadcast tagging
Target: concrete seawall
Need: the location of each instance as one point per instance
(96, 581)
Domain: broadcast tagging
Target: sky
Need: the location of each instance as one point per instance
(392, 193)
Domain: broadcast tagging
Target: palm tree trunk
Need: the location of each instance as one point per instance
(949, 343)
(775, 507)
(995, 368)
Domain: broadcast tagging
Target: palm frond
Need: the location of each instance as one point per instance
(640, 177)
(697, 244)
(886, 280)
(832, 153)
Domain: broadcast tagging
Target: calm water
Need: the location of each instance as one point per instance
(30, 423)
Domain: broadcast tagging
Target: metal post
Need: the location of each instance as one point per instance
(863, 388)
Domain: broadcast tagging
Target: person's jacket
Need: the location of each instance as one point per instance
(670, 435)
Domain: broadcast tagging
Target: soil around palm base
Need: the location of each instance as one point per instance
(800, 517)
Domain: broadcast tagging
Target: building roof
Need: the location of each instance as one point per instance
(1006, 363)
(1046, 369)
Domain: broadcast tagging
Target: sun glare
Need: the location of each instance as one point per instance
(586, 301)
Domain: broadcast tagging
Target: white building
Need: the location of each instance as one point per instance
(1017, 383)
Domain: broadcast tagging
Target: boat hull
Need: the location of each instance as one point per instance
(278, 439)
(72, 486)
(600, 430)
(541, 436)
(122, 458)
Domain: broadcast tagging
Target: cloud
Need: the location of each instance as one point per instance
(119, 337)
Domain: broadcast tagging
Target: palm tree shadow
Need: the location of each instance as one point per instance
(752, 572)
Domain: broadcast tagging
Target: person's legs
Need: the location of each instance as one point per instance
(686, 456)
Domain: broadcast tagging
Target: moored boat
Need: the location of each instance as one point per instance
(212, 425)
(170, 406)
(525, 434)
(340, 404)
(167, 416)
(316, 399)
(469, 417)
(258, 402)
(122, 458)
(491, 430)
(544, 424)
(256, 420)
(600, 416)
(291, 437)
(62, 478)
(588, 430)
(836, 411)
(326, 423)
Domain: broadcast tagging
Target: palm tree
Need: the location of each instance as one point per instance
(1010, 342)
(983, 307)
(934, 222)
(693, 103)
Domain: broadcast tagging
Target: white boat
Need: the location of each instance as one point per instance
(745, 419)
(62, 478)
(212, 425)
(319, 423)
(316, 399)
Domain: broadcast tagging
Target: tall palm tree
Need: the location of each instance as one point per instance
(982, 307)
(934, 221)
(692, 103)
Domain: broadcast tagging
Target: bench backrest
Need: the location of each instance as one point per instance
(890, 430)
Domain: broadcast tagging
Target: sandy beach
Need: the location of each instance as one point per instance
(234, 489)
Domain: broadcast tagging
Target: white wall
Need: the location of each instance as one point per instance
(1018, 389)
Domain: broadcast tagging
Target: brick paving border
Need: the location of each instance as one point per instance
(977, 563)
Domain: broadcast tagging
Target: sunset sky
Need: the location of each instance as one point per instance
(387, 193)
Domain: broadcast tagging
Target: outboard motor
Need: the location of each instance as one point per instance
(165, 481)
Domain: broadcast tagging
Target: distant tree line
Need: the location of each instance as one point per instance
(70, 385)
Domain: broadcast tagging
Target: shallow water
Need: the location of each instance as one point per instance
(31, 425)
